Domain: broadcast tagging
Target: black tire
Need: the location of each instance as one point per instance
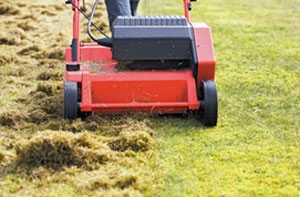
(209, 103)
(71, 105)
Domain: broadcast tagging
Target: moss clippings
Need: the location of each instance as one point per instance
(123, 181)
(9, 118)
(254, 151)
(123, 65)
(7, 41)
(2, 156)
(13, 37)
(49, 75)
(40, 152)
(6, 119)
(51, 54)
(48, 88)
(27, 26)
(135, 141)
(58, 149)
(81, 160)
(29, 50)
(8, 9)
(4, 59)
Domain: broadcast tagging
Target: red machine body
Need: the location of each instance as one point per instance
(105, 90)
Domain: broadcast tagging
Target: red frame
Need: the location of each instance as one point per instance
(76, 25)
(106, 90)
(186, 10)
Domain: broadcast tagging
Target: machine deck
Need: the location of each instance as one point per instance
(172, 68)
(106, 89)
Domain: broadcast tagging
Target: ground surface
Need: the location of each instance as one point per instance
(40, 153)
(254, 150)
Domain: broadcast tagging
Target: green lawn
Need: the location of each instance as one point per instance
(254, 150)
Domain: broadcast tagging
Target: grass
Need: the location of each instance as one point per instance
(254, 150)
(41, 154)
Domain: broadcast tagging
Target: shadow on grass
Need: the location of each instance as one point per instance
(178, 124)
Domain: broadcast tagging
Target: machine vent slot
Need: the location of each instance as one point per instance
(151, 21)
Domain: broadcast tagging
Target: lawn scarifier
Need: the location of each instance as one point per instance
(171, 70)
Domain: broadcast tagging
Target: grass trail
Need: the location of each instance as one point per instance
(41, 154)
(254, 150)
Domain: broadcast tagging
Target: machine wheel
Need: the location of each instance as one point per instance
(209, 103)
(71, 105)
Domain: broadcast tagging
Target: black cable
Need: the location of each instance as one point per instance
(90, 21)
(85, 15)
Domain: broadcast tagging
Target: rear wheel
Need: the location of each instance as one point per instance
(209, 103)
(71, 98)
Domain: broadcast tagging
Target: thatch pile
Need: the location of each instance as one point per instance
(58, 149)
(8, 9)
(39, 150)
(135, 141)
(49, 75)
(120, 193)
(123, 181)
(2, 156)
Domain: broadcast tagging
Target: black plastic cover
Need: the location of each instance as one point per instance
(152, 38)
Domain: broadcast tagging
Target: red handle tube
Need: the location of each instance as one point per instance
(186, 10)
(76, 32)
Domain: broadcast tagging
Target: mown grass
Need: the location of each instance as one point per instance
(254, 150)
